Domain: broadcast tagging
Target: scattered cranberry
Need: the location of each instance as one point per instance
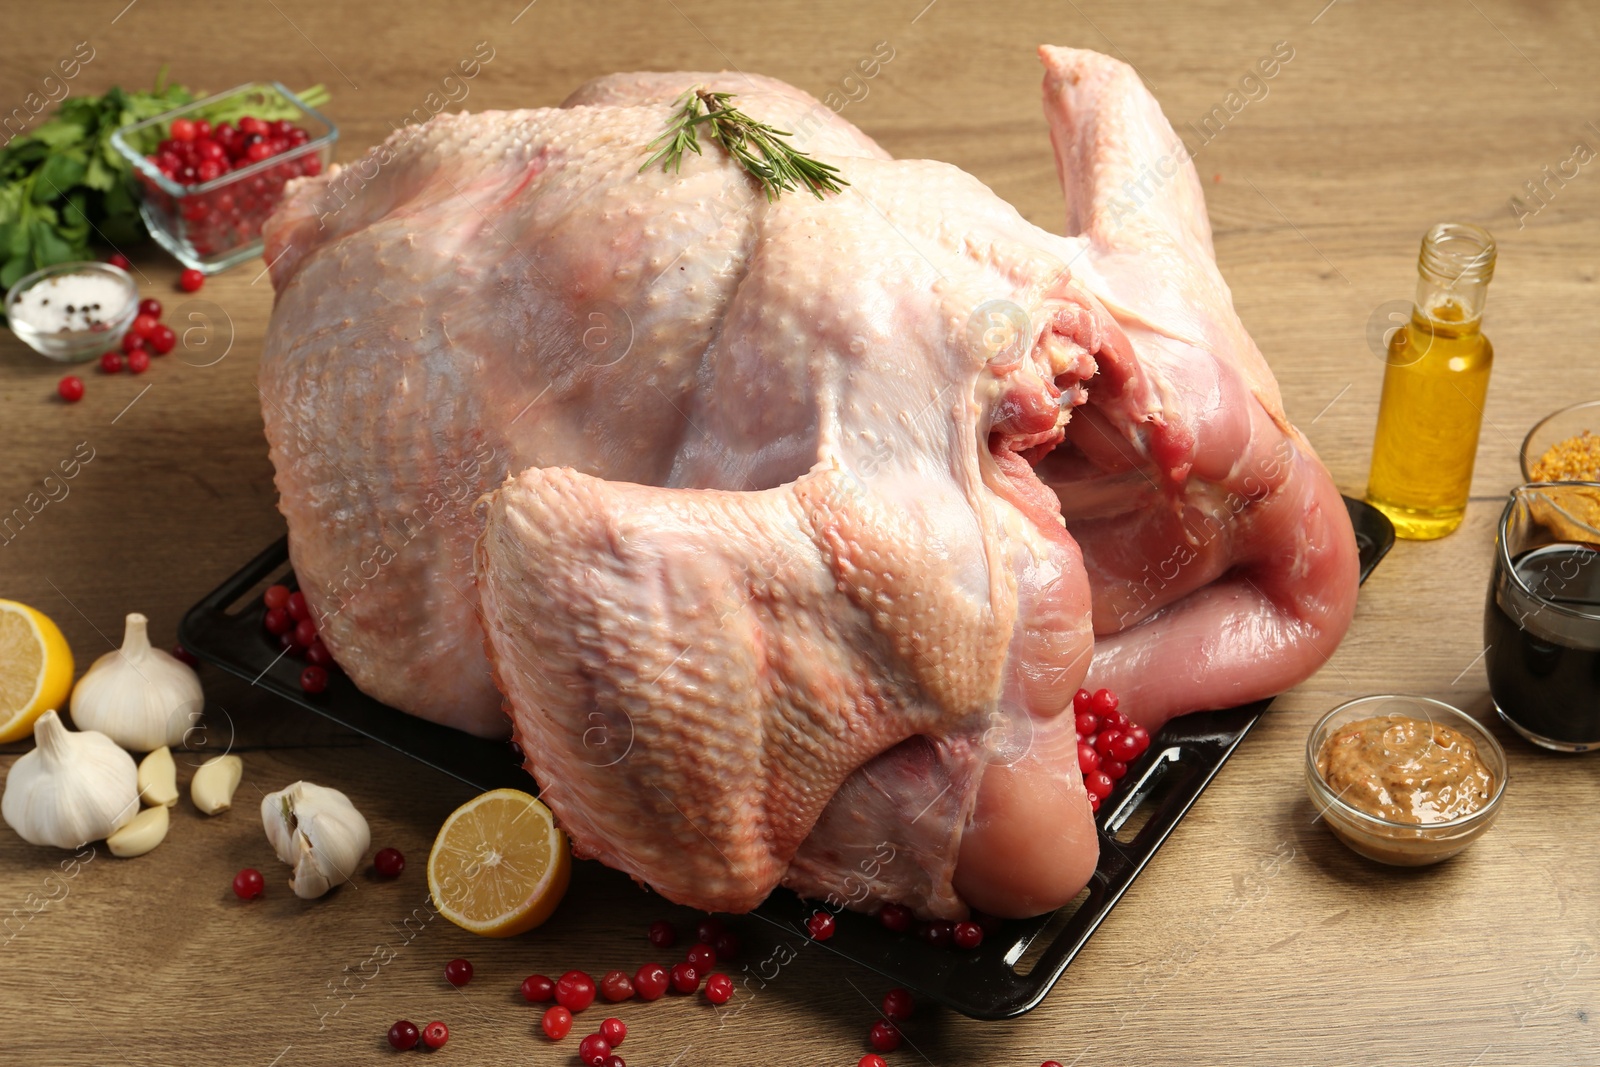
(1104, 702)
(1088, 758)
(1050, 1063)
(117, 259)
(313, 679)
(896, 917)
(703, 957)
(967, 935)
(1099, 784)
(593, 1050)
(1114, 769)
(191, 280)
(458, 972)
(719, 988)
(651, 981)
(138, 361)
(276, 596)
(727, 946)
(305, 632)
(614, 1060)
(708, 930)
(871, 1059)
(277, 621)
(613, 1030)
(557, 1022)
(435, 1034)
(248, 884)
(938, 933)
(143, 324)
(685, 979)
(317, 653)
(662, 934)
(1086, 722)
(150, 306)
(132, 342)
(111, 363)
(616, 987)
(575, 991)
(184, 656)
(70, 388)
(389, 862)
(820, 926)
(403, 1035)
(287, 643)
(298, 608)
(161, 340)
(884, 1036)
(537, 989)
(898, 1005)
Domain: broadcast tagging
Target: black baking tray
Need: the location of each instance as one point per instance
(1004, 977)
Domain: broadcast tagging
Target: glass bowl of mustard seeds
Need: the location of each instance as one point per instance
(1404, 780)
(1564, 446)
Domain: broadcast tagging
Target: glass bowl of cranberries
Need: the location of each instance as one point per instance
(214, 170)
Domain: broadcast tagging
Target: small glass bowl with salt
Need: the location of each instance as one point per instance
(73, 312)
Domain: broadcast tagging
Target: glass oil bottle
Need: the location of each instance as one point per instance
(1434, 383)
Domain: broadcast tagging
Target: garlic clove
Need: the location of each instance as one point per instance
(158, 778)
(73, 788)
(214, 783)
(139, 696)
(142, 833)
(318, 832)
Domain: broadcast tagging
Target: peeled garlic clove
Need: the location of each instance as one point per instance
(73, 788)
(142, 833)
(318, 832)
(158, 778)
(213, 784)
(139, 696)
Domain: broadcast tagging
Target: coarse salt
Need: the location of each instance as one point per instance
(71, 302)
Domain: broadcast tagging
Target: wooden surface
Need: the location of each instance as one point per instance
(1254, 938)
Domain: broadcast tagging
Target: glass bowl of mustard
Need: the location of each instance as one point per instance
(1404, 780)
(1564, 446)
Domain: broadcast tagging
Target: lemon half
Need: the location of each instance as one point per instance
(499, 866)
(35, 668)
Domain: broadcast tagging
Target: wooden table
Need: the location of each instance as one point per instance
(1254, 938)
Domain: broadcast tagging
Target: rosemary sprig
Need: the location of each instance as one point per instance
(756, 146)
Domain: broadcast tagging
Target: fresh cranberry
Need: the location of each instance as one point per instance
(651, 981)
(1099, 784)
(662, 934)
(593, 1050)
(1141, 737)
(708, 930)
(1125, 748)
(313, 679)
(458, 972)
(311, 166)
(719, 988)
(1114, 769)
(884, 1036)
(575, 991)
(249, 125)
(967, 935)
(1088, 758)
(613, 1030)
(615, 987)
(703, 957)
(435, 1034)
(403, 1035)
(1104, 702)
(1050, 1063)
(209, 170)
(896, 917)
(898, 1005)
(557, 1022)
(727, 946)
(117, 259)
(258, 151)
(614, 1060)
(131, 341)
(111, 363)
(182, 130)
(138, 361)
(820, 926)
(184, 656)
(1094, 802)
(1082, 701)
(389, 862)
(161, 340)
(70, 388)
(1086, 723)
(143, 324)
(276, 596)
(248, 884)
(1104, 740)
(287, 643)
(150, 306)
(191, 280)
(871, 1059)
(298, 608)
(537, 989)
(305, 631)
(685, 979)
(277, 621)
(938, 933)
(317, 653)
(208, 150)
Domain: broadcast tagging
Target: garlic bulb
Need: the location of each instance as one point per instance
(140, 697)
(71, 789)
(318, 832)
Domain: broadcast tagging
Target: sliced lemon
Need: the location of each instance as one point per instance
(35, 668)
(499, 866)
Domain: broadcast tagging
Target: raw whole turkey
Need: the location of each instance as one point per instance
(785, 530)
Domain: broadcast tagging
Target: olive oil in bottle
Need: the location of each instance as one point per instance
(1434, 383)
